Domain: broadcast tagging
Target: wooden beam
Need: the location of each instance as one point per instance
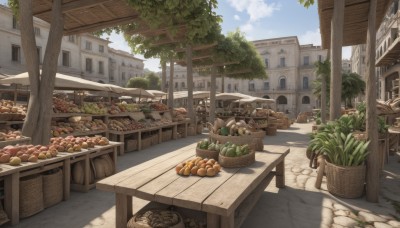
(100, 25)
(75, 19)
(75, 5)
(108, 11)
(199, 47)
(167, 41)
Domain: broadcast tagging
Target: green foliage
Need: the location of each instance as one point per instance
(153, 81)
(341, 149)
(14, 5)
(323, 71)
(362, 107)
(138, 83)
(306, 3)
(352, 86)
(318, 121)
(382, 126)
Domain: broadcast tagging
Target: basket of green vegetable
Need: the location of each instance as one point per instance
(207, 149)
(235, 156)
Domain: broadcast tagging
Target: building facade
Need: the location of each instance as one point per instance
(346, 66)
(358, 55)
(84, 55)
(290, 70)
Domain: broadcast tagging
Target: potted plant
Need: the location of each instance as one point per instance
(345, 157)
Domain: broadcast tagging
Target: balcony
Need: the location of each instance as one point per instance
(391, 55)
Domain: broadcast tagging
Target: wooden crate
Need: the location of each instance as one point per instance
(131, 145)
(166, 135)
(146, 142)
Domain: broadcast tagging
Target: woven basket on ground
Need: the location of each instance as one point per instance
(170, 219)
(110, 164)
(238, 140)
(236, 162)
(52, 188)
(30, 195)
(78, 173)
(207, 153)
(271, 131)
(346, 182)
(258, 140)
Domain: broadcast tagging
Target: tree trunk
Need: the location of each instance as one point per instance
(189, 68)
(163, 75)
(222, 83)
(171, 84)
(323, 99)
(212, 94)
(336, 59)
(37, 123)
(372, 186)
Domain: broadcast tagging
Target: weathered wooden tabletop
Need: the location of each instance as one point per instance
(157, 181)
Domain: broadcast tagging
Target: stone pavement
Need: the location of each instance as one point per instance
(297, 205)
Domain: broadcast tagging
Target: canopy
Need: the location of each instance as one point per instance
(62, 82)
(230, 96)
(157, 93)
(196, 94)
(137, 92)
(256, 100)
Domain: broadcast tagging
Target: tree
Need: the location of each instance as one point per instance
(323, 71)
(306, 3)
(153, 81)
(142, 83)
(352, 86)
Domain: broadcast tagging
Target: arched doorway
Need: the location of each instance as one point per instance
(305, 100)
(266, 97)
(281, 103)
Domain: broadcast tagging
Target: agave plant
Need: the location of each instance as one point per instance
(340, 149)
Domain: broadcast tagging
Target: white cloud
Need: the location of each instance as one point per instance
(236, 17)
(311, 37)
(346, 52)
(256, 9)
(119, 43)
(248, 27)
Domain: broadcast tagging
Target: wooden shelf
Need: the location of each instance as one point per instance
(25, 140)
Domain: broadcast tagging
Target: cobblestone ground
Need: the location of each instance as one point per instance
(300, 204)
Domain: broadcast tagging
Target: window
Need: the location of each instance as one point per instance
(111, 76)
(306, 60)
(281, 100)
(305, 83)
(266, 63)
(266, 85)
(208, 84)
(71, 38)
(88, 45)
(282, 83)
(89, 66)
(37, 31)
(176, 85)
(101, 48)
(229, 88)
(101, 67)
(176, 76)
(320, 58)
(122, 64)
(183, 75)
(251, 87)
(15, 53)
(39, 53)
(182, 84)
(305, 100)
(236, 87)
(282, 62)
(15, 24)
(66, 57)
(123, 76)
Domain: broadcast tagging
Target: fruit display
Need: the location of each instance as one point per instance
(124, 124)
(61, 128)
(179, 114)
(231, 127)
(198, 166)
(14, 155)
(73, 144)
(205, 144)
(258, 123)
(9, 134)
(260, 112)
(114, 109)
(232, 150)
(125, 107)
(64, 106)
(158, 107)
(94, 108)
(18, 112)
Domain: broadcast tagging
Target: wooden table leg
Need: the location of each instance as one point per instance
(87, 173)
(280, 174)
(227, 221)
(123, 210)
(11, 200)
(67, 178)
(213, 220)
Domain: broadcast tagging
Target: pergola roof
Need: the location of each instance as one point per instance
(355, 20)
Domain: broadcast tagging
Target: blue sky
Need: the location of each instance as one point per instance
(258, 19)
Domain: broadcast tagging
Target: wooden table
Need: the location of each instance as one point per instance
(232, 192)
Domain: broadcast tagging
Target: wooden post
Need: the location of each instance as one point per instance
(212, 94)
(189, 68)
(163, 75)
(171, 85)
(336, 58)
(372, 121)
(222, 83)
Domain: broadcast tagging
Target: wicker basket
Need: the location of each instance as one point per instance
(346, 182)
(258, 140)
(6, 116)
(236, 162)
(166, 135)
(132, 223)
(238, 140)
(52, 188)
(30, 195)
(207, 153)
(271, 131)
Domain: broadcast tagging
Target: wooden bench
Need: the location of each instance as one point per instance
(226, 198)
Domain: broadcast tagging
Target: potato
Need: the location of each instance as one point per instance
(178, 168)
(5, 158)
(194, 170)
(211, 172)
(217, 167)
(32, 158)
(201, 172)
